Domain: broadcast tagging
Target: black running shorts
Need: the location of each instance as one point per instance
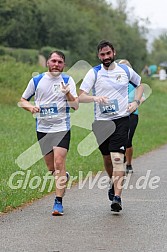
(49, 140)
(112, 136)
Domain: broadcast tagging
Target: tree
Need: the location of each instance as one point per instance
(73, 25)
(21, 23)
(159, 49)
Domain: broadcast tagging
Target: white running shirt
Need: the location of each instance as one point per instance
(54, 113)
(112, 84)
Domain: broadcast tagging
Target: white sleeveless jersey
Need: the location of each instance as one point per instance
(54, 113)
(114, 85)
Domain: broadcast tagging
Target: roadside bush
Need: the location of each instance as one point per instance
(29, 56)
(14, 78)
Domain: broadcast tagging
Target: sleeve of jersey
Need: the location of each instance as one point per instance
(134, 77)
(72, 87)
(29, 91)
(88, 81)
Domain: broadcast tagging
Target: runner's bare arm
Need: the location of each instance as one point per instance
(86, 98)
(28, 106)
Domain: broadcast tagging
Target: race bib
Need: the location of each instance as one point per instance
(49, 110)
(111, 108)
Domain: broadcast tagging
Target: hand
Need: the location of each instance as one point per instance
(132, 107)
(100, 99)
(34, 109)
(64, 88)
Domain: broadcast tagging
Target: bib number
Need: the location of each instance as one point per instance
(48, 111)
(111, 108)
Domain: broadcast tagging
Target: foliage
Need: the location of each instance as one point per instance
(159, 50)
(21, 24)
(72, 25)
(13, 79)
(24, 55)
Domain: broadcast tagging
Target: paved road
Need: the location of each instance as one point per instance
(88, 225)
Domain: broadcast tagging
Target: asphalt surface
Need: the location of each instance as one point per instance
(88, 225)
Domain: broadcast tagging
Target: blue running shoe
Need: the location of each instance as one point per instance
(57, 208)
(116, 205)
(111, 192)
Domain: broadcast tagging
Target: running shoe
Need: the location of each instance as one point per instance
(57, 208)
(116, 205)
(129, 169)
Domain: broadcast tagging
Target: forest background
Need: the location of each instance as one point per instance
(76, 27)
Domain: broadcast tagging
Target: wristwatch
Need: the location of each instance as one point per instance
(138, 102)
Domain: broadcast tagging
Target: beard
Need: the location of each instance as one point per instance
(108, 62)
(55, 71)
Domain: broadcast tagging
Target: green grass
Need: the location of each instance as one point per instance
(152, 127)
(14, 78)
(17, 133)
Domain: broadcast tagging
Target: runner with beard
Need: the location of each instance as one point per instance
(54, 94)
(109, 85)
